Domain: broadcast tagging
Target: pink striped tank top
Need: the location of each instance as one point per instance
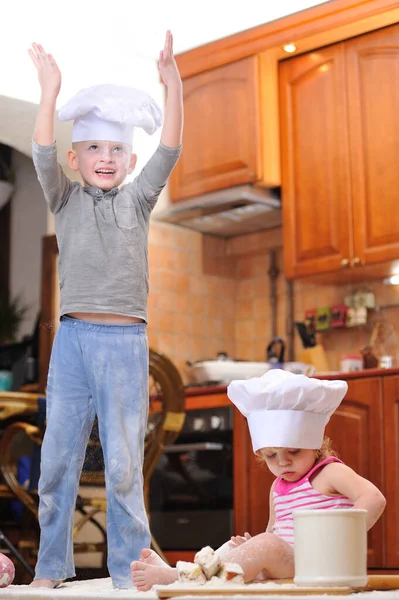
(288, 496)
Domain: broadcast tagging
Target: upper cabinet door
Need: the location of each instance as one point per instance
(314, 151)
(373, 100)
(221, 141)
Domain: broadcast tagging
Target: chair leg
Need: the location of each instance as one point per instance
(17, 554)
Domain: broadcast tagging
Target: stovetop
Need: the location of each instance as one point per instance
(204, 384)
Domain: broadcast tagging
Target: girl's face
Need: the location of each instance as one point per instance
(290, 464)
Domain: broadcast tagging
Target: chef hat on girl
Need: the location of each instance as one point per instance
(285, 410)
(110, 112)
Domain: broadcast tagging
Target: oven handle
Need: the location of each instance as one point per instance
(193, 447)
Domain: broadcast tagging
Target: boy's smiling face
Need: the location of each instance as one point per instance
(102, 164)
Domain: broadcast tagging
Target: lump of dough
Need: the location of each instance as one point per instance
(208, 561)
(231, 572)
(190, 573)
(7, 571)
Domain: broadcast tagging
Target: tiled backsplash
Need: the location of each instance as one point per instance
(191, 314)
(208, 295)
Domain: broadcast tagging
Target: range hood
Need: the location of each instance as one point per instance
(227, 213)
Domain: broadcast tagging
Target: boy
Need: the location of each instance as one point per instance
(99, 361)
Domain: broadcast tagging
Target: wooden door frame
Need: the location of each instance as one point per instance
(5, 246)
(48, 309)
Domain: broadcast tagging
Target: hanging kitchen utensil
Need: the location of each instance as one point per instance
(307, 333)
(275, 353)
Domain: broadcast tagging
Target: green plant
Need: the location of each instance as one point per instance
(12, 312)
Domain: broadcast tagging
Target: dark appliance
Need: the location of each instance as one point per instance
(191, 489)
(22, 359)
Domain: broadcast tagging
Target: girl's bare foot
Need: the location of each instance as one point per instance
(151, 558)
(145, 575)
(45, 583)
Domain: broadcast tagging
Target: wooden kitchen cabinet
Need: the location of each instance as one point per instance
(372, 63)
(364, 433)
(314, 150)
(356, 433)
(391, 411)
(339, 132)
(252, 483)
(221, 139)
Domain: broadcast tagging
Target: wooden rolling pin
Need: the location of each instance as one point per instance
(374, 583)
(382, 582)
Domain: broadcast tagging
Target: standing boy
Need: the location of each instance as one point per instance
(99, 361)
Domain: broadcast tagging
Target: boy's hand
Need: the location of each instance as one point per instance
(173, 117)
(47, 70)
(167, 64)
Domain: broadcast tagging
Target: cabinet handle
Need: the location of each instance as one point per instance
(355, 261)
(344, 262)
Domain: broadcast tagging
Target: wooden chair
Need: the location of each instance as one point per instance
(165, 420)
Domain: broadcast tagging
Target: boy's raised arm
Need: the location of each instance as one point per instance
(172, 130)
(50, 84)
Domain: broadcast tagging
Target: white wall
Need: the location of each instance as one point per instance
(106, 44)
(116, 44)
(100, 42)
(28, 225)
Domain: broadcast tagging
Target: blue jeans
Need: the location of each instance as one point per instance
(98, 370)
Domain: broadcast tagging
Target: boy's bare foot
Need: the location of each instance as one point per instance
(145, 575)
(45, 583)
(151, 558)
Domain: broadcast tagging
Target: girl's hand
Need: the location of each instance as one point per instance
(47, 70)
(237, 540)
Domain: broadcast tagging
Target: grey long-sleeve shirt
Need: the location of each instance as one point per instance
(103, 236)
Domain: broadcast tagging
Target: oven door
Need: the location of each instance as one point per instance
(191, 494)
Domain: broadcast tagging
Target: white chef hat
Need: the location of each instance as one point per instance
(110, 112)
(284, 410)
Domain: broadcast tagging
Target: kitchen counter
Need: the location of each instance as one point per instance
(205, 390)
(358, 374)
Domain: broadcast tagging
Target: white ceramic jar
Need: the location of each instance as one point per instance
(330, 547)
(351, 363)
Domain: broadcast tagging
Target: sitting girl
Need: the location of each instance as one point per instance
(286, 415)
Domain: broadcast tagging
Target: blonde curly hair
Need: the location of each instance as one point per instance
(325, 451)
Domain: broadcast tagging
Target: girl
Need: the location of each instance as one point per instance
(286, 415)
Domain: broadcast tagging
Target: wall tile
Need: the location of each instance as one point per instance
(245, 309)
(261, 307)
(198, 285)
(197, 304)
(198, 326)
(245, 288)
